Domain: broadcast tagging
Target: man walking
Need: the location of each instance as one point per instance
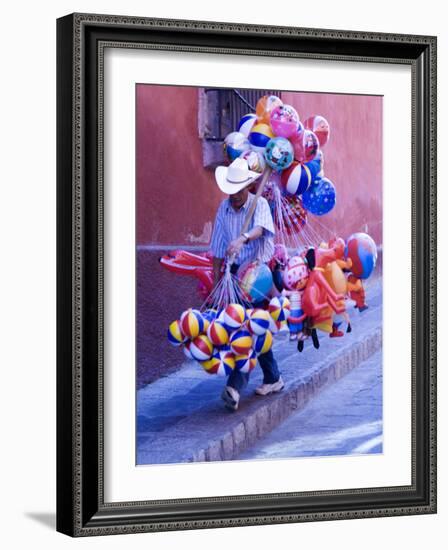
(255, 244)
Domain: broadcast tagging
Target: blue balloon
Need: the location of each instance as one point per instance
(279, 153)
(315, 167)
(320, 198)
(255, 280)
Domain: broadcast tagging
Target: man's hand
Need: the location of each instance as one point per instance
(217, 266)
(235, 246)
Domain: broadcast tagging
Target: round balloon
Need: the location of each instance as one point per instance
(316, 166)
(221, 363)
(279, 308)
(296, 273)
(319, 125)
(296, 179)
(234, 316)
(246, 123)
(201, 348)
(255, 161)
(362, 251)
(279, 153)
(284, 121)
(240, 342)
(263, 343)
(320, 197)
(217, 333)
(259, 136)
(187, 352)
(265, 106)
(235, 143)
(310, 145)
(255, 280)
(246, 363)
(259, 321)
(191, 323)
(175, 335)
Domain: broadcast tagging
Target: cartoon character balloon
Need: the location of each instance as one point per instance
(319, 125)
(265, 106)
(279, 153)
(284, 121)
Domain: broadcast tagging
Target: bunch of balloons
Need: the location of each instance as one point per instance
(275, 135)
(221, 341)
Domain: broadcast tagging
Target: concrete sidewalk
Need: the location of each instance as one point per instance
(180, 418)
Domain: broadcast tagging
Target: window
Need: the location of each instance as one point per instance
(219, 112)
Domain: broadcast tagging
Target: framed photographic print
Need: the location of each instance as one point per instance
(246, 274)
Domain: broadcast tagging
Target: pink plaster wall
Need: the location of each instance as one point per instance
(353, 158)
(177, 198)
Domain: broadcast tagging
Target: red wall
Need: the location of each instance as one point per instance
(177, 198)
(353, 158)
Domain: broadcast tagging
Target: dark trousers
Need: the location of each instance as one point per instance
(238, 380)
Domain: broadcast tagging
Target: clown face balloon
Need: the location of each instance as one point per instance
(296, 273)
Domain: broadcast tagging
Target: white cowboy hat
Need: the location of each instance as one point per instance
(233, 178)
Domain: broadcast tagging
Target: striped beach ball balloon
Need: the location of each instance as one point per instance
(234, 316)
(260, 135)
(279, 308)
(259, 321)
(201, 348)
(227, 364)
(187, 351)
(246, 363)
(274, 326)
(217, 333)
(240, 342)
(175, 335)
(191, 323)
(296, 179)
(212, 365)
(246, 123)
(263, 343)
(221, 363)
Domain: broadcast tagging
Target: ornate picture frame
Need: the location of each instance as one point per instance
(81, 42)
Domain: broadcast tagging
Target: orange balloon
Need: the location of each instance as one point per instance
(265, 106)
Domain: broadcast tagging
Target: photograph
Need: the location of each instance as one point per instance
(259, 260)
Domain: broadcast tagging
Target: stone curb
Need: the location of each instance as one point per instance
(274, 411)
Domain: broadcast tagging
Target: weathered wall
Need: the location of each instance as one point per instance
(352, 157)
(177, 198)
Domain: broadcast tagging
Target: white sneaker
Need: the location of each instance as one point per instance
(266, 389)
(231, 398)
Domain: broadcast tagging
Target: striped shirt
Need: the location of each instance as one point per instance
(228, 226)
